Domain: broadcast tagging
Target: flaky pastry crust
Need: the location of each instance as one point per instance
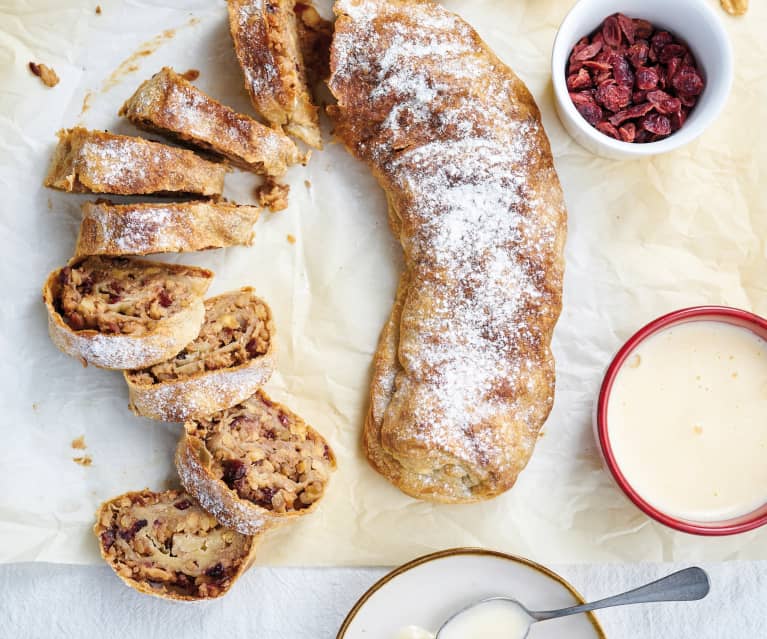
(463, 377)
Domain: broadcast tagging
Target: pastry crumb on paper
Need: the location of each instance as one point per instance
(273, 195)
(45, 73)
(291, 239)
(98, 9)
(735, 7)
(85, 460)
(78, 443)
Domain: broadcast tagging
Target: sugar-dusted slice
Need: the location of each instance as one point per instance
(255, 465)
(171, 105)
(229, 360)
(164, 544)
(143, 228)
(100, 162)
(121, 313)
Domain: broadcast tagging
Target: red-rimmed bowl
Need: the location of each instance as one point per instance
(733, 316)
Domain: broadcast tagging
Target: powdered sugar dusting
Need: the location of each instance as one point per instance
(138, 229)
(455, 161)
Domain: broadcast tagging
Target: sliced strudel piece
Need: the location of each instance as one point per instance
(255, 465)
(266, 41)
(122, 313)
(169, 104)
(139, 229)
(164, 544)
(231, 357)
(100, 162)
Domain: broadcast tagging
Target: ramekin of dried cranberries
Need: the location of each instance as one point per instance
(634, 78)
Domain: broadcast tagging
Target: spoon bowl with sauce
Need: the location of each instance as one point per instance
(507, 618)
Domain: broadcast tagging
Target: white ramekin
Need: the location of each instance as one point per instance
(692, 21)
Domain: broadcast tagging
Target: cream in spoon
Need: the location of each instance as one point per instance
(687, 421)
(491, 619)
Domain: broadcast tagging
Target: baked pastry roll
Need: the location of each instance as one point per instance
(255, 465)
(231, 357)
(463, 377)
(169, 104)
(122, 313)
(139, 229)
(265, 35)
(99, 162)
(164, 544)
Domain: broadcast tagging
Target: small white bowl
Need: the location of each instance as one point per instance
(692, 21)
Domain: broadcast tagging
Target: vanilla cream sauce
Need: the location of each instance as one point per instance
(687, 421)
(490, 620)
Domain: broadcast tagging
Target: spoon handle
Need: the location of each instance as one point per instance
(690, 584)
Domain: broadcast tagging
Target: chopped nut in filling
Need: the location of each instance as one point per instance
(121, 296)
(168, 541)
(267, 454)
(236, 330)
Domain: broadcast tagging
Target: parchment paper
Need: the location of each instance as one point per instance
(646, 237)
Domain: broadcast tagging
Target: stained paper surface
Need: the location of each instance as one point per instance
(646, 237)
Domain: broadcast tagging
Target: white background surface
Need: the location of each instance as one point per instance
(41, 601)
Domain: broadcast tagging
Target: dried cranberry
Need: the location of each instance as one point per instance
(631, 113)
(687, 100)
(622, 71)
(164, 299)
(586, 53)
(86, 286)
(580, 80)
(663, 102)
(183, 504)
(646, 78)
(627, 26)
(252, 348)
(608, 129)
(628, 132)
(678, 119)
(130, 533)
(660, 40)
(656, 123)
(108, 538)
(611, 32)
(637, 53)
(64, 275)
(642, 28)
(671, 68)
(234, 470)
(688, 81)
(215, 572)
(613, 97)
(265, 498)
(590, 112)
(75, 320)
(113, 298)
(597, 66)
(268, 433)
(283, 419)
(671, 51)
(639, 96)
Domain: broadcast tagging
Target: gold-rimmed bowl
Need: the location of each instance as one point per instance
(427, 590)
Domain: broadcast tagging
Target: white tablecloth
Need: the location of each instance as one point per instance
(50, 601)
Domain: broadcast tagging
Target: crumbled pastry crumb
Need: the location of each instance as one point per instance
(191, 74)
(79, 443)
(85, 460)
(307, 184)
(45, 73)
(34, 406)
(735, 7)
(291, 239)
(98, 9)
(273, 195)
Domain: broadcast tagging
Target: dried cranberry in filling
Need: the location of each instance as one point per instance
(130, 533)
(108, 538)
(216, 572)
(183, 504)
(234, 470)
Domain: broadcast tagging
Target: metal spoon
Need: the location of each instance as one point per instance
(690, 584)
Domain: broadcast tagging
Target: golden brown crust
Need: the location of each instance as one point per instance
(229, 360)
(266, 43)
(164, 544)
(169, 104)
(254, 466)
(99, 162)
(140, 229)
(463, 375)
(117, 338)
